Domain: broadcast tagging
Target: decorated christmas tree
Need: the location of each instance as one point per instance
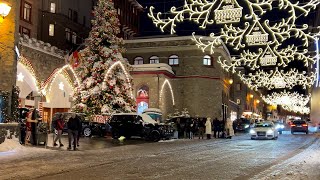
(106, 83)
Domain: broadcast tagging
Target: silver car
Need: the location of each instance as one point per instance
(264, 130)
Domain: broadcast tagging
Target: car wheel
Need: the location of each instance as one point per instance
(252, 138)
(115, 134)
(307, 132)
(87, 132)
(155, 136)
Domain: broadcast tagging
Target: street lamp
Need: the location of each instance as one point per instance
(230, 81)
(4, 9)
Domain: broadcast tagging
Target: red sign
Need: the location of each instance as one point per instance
(100, 119)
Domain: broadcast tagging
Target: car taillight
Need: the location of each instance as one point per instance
(304, 125)
(292, 125)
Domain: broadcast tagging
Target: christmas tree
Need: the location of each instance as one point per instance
(106, 85)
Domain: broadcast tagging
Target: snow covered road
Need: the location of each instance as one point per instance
(291, 156)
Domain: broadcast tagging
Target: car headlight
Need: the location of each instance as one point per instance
(269, 131)
(252, 131)
(246, 126)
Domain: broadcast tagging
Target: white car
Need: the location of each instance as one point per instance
(264, 130)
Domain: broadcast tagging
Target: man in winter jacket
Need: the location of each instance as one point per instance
(74, 125)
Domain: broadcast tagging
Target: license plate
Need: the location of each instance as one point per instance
(299, 126)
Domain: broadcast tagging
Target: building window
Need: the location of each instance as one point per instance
(70, 14)
(27, 11)
(238, 87)
(74, 38)
(173, 60)
(75, 16)
(207, 60)
(51, 29)
(24, 31)
(154, 60)
(68, 34)
(138, 60)
(53, 7)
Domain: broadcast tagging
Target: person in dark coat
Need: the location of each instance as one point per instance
(201, 128)
(216, 127)
(73, 129)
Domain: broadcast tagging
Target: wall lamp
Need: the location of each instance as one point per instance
(230, 81)
(4, 9)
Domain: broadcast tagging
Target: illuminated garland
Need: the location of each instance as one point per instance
(27, 64)
(170, 87)
(277, 79)
(290, 101)
(254, 32)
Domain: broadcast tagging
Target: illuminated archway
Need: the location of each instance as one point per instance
(60, 71)
(170, 87)
(118, 63)
(27, 80)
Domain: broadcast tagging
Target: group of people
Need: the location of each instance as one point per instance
(74, 130)
(189, 127)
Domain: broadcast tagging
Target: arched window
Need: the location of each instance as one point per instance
(207, 60)
(174, 60)
(138, 60)
(142, 99)
(154, 60)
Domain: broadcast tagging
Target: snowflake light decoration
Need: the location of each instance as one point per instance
(256, 42)
(290, 101)
(277, 79)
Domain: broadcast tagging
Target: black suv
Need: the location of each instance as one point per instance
(132, 124)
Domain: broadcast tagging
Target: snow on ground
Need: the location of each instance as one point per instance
(304, 165)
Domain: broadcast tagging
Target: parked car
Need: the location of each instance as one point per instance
(241, 124)
(299, 126)
(264, 130)
(88, 128)
(142, 125)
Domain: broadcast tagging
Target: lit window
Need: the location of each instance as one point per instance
(74, 38)
(173, 60)
(207, 60)
(51, 29)
(238, 101)
(53, 7)
(138, 60)
(154, 60)
(68, 34)
(27, 11)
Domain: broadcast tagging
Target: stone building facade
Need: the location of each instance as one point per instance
(8, 42)
(197, 85)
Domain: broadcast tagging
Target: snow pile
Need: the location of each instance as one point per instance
(10, 144)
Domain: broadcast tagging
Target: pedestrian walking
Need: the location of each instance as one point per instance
(201, 128)
(229, 128)
(73, 129)
(215, 127)
(59, 125)
(208, 128)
